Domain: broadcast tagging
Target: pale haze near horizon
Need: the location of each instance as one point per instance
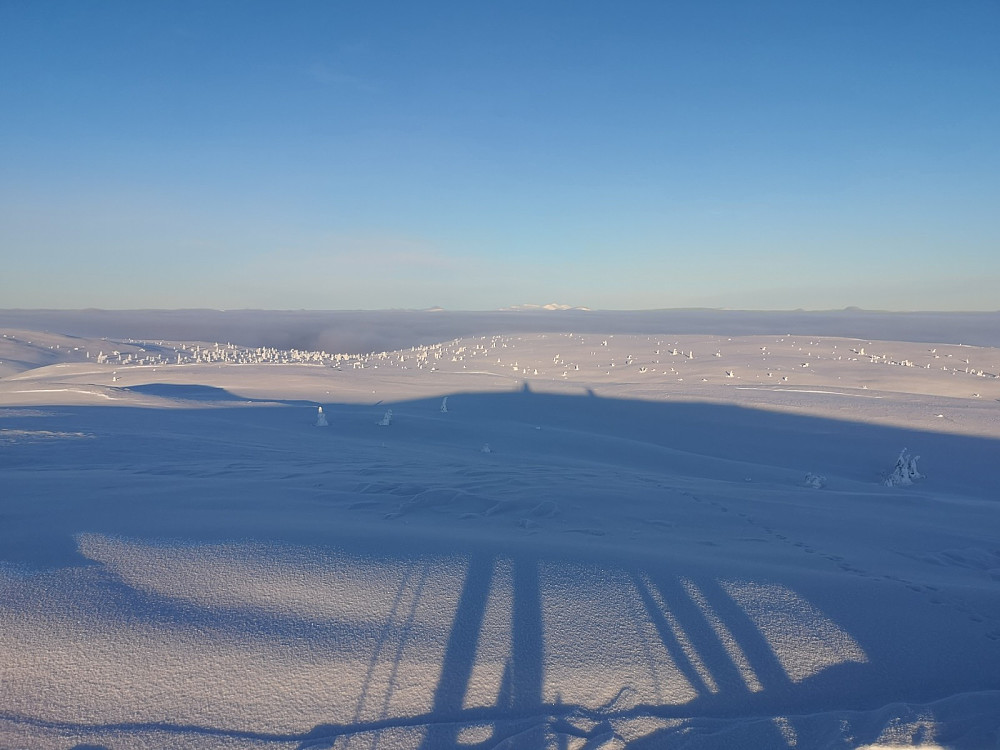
(475, 156)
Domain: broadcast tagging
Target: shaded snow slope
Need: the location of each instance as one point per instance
(639, 560)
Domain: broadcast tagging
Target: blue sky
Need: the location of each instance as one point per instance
(474, 155)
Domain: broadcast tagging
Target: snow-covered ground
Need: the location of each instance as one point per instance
(599, 540)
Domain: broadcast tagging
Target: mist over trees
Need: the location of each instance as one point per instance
(386, 330)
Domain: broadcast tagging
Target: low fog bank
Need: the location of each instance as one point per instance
(386, 330)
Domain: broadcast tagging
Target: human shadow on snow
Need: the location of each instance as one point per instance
(690, 439)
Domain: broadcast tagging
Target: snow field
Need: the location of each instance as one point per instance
(639, 561)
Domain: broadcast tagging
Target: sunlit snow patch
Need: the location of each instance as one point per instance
(801, 637)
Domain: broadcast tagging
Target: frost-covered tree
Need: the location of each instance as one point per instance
(387, 419)
(816, 481)
(904, 473)
(321, 418)
(444, 405)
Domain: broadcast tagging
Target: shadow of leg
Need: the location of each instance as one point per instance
(460, 655)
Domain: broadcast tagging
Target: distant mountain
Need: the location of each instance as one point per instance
(550, 306)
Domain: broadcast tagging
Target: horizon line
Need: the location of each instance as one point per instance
(517, 309)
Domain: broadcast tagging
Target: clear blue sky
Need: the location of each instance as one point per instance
(475, 155)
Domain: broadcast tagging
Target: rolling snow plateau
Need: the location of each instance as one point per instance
(524, 539)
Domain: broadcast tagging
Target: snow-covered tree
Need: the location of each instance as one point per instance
(387, 419)
(444, 405)
(904, 473)
(321, 418)
(816, 481)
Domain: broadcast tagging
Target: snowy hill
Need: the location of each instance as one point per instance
(603, 541)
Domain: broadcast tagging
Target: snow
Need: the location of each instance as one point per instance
(594, 556)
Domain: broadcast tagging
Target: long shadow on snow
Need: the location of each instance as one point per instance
(700, 440)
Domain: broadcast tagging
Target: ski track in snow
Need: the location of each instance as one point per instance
(187, 560)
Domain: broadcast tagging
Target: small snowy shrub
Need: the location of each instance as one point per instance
(485, 448)
(904, 473)
(815, 481)
(387, 419)
(321, 418)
